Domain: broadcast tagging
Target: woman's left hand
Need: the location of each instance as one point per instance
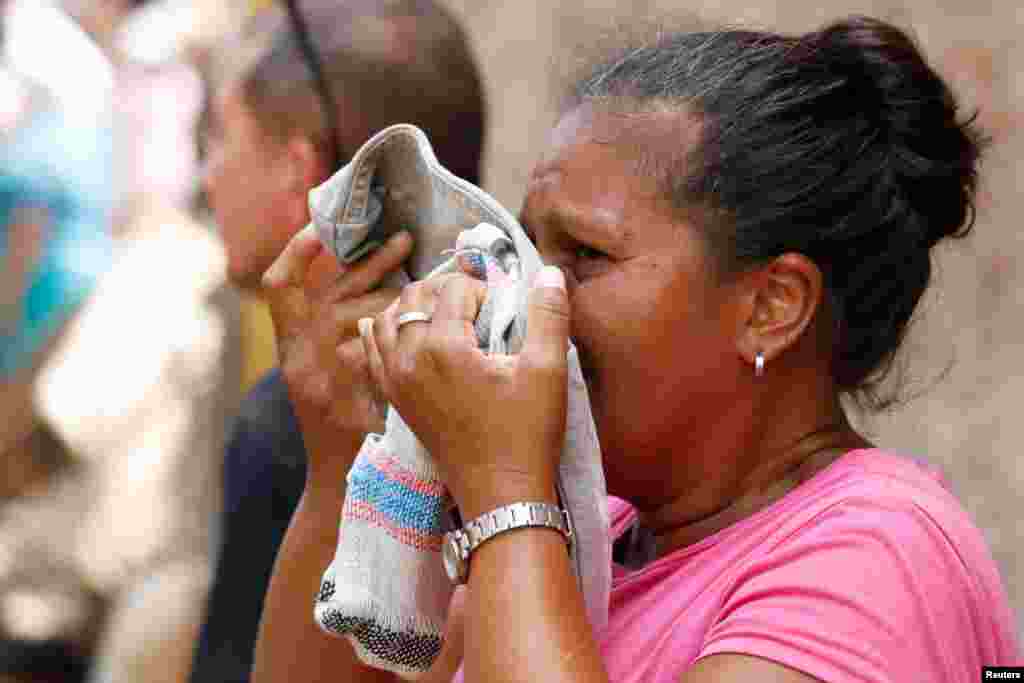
(493, 423)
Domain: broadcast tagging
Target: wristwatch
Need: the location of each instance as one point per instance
(460, 544)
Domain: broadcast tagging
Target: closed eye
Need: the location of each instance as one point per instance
(589, 253)
(588, 262)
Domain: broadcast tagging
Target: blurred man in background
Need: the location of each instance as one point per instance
(290, 112)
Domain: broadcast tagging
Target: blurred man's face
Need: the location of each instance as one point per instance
(257, 205)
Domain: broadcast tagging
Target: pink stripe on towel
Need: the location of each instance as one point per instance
(393, 470)
(411, 537)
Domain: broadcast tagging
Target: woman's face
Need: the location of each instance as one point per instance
(654, 329)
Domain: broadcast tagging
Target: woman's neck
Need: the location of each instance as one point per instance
(748, 479)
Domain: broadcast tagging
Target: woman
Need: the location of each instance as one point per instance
(741, 224)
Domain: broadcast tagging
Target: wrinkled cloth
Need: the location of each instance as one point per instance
(386, 589)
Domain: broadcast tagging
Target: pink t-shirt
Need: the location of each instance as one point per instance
(870, 571)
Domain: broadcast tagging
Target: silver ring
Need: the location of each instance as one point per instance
(412, 317)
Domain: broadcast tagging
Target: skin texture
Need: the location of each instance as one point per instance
(652, 317)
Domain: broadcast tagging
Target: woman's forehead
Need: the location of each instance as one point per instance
(577, 127)
(645, 144)
(596, 158)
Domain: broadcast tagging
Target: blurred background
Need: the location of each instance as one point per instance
(110, 451)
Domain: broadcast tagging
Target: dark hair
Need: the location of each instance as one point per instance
(841, 144)
(43, 661)
(386, 62)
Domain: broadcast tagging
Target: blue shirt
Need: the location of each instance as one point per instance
(264, 474)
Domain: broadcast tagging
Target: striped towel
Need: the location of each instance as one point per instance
(386, 589)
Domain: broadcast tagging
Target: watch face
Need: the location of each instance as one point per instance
(452, 560)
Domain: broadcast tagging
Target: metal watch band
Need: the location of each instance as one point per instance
(461, 543)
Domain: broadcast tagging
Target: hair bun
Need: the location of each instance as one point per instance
(886, 71)
(933, 156)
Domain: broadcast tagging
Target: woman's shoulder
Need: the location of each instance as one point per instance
(874, 485)
(869, 562)
(863, 484)
(876, 547)
(887, 528)
(887, 496)
(871, 508)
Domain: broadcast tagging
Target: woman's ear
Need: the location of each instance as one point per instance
(782, 300)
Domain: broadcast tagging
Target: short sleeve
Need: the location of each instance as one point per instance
(864, 592)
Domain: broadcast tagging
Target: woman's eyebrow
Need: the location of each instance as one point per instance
(603, 226)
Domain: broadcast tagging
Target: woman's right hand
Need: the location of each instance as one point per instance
(316, 303)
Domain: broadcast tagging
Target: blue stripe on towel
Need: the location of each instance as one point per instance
(397, 502)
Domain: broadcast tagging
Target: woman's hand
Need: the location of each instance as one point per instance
(495, 424)
(316, 303)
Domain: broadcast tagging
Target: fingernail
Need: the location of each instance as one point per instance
(551, 276)
(365, 326)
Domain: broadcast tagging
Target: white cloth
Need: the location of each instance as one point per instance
(386, 589)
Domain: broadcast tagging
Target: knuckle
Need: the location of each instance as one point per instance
(317, 391)
(377, 325)
(435, 345)
(405, 367)
(460, 357)
(551, 302)
(456, 282)
(439, 285)
(443, 351)
(271, 280)
(448, 279)
(542, 365)
(307, 386)
(495, 373)
(375, 305)
(351, 354)
(294, 367)
(345, 323)
(292, 374)
(341, 289)
(411, 292)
